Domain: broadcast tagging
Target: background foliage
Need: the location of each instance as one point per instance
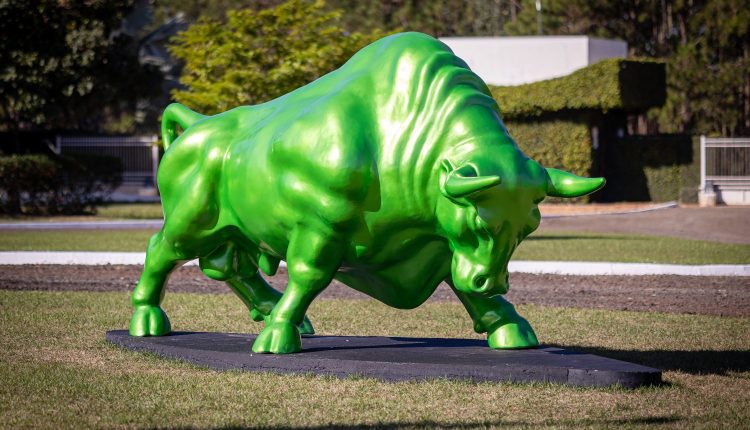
(705, 43)
(257, 56)
(562, 144)
(68, 65)
(81, 71)
(656, 168)
(40, 184)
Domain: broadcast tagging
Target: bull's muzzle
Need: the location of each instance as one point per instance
(482, 283)
(490, 285)
(473, 278)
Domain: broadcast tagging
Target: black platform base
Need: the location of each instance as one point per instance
(395, 358)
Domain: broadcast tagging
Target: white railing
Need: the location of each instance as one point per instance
(725, 169)
(139, 154)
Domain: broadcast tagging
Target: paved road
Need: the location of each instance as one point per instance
(720, 224)
(83, 225)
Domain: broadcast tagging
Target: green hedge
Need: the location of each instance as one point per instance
(557, 143)
(629, 85)
(40, 184)
(652, 168)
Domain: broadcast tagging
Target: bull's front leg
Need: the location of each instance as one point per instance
(498, 318)
(313, 257)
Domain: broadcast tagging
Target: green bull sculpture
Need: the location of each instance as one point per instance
(392, 174)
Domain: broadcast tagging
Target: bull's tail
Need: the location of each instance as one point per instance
(176, 114)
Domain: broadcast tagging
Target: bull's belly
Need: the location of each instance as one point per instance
(404, 281)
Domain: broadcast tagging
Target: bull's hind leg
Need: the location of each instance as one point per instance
(235, 266)
(498, 318)
(148, 318)
(312, 259)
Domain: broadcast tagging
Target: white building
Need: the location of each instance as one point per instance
(519, 60)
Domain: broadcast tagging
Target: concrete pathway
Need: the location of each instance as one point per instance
(84, 225)
(584, 268)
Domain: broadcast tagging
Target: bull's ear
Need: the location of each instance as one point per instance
(463, 181)
(565, 184)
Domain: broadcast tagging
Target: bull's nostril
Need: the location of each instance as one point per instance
(480, 282)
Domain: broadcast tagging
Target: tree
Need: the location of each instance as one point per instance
(67, 65)
(256, 56)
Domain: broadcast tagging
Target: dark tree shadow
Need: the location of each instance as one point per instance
(577, 237)
(693, 362)
(428, 424)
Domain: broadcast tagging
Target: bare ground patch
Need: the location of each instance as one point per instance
(709, 295)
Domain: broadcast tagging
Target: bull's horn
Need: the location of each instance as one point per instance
(565, 184)
(457, 185)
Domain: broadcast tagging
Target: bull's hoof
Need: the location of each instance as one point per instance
(517, 334)
(278, 338)
(305, 329)
(149, 321)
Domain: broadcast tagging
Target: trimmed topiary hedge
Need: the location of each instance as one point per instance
(612, 84)
(562, 144)
(41, 184)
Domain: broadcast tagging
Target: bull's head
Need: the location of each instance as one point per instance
(490, 206)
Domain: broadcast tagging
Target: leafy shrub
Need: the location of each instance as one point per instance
(557, 143)
(256, 56)
(652, 168)
(39, 184)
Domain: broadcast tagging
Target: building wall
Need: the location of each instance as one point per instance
(520, 60)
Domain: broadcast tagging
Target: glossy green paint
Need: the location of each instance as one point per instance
(391, 174)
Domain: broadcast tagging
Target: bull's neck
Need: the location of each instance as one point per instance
(410, 180)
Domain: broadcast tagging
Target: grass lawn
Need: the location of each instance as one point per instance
(103, 213)
(540, 246)
(130, 211)
(75, 240)
(56, 371)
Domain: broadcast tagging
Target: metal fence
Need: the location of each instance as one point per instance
(725, 169)
(139, 154)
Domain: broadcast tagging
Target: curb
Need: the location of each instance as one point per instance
(579, 268)
(667, 205)
(592, 268)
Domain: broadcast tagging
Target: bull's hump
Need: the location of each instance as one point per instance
(399, 44)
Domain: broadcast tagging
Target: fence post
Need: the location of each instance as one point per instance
(703, 163)
(154, 158)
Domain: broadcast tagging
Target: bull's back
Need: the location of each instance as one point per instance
(302, 160)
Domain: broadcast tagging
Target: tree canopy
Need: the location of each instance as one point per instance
(252, 57)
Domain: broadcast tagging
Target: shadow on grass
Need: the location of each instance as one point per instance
(584, 422)
(693, 362)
